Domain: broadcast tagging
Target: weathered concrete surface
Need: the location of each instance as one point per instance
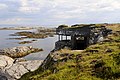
(12, 70)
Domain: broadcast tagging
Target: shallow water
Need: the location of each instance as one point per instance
(46, 44)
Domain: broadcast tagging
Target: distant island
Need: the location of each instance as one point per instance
(16, 28)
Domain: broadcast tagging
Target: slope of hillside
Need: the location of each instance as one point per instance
(98, 62)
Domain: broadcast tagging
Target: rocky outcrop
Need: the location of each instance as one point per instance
(62, 44)
(38, 34)
(11, 69)
(54, 57)
(25, 42)
(20, 51)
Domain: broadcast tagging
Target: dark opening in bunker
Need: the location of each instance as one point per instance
(80, 43)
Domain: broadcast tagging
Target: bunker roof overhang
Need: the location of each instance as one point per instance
(82, 30)
(75, 31)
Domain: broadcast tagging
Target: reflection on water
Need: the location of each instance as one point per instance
(46, 44)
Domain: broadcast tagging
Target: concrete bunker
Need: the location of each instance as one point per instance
(79, 37)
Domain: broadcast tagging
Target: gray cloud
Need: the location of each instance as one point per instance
(47, 12)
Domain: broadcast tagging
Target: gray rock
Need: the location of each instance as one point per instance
(17, 70)
(12, 70)
(20, 51)
(31, 65)
(5, 61)
(19, 60)
(3, 78)
(14, 50)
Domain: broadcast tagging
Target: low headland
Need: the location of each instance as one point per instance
(100, 61)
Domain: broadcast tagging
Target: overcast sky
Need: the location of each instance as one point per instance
(55, 12)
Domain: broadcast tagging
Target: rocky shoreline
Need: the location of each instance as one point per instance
(12, 66)
(11, 69)
(38, 34)
(20, 51)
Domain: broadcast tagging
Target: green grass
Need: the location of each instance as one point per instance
(98, 62)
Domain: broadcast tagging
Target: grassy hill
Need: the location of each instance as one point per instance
(98, 62)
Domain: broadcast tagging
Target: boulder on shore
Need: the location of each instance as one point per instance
(19, 51)
(12, 70)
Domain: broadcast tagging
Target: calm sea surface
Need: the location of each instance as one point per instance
(46, 44)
